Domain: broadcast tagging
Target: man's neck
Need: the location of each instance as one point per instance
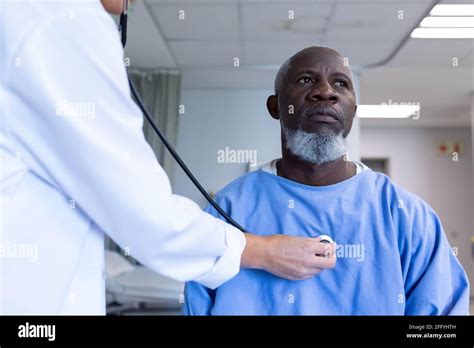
(295, 169)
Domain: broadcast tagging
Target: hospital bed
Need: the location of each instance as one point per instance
(136, 290)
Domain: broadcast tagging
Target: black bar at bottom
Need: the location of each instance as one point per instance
(289, 331)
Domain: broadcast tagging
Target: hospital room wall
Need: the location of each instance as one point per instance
(443, 183)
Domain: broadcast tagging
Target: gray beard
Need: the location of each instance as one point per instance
(313, 147)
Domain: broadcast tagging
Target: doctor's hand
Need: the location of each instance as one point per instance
(293, 258)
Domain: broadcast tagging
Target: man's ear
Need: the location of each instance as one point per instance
(272, 106)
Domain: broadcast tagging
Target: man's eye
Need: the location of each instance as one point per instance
(341, 83)
(305, 80)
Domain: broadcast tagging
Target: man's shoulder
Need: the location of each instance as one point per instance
(399, 196)
(242, 184)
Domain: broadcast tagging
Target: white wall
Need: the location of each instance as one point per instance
(445, 184)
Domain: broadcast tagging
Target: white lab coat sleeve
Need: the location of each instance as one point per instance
(86, 140)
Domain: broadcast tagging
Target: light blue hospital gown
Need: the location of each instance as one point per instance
(393, 255)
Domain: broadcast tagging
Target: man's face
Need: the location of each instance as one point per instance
(317, 95)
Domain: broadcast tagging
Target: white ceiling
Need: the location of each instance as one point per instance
(259, 33)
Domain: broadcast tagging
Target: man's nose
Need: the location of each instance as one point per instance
(323, 91)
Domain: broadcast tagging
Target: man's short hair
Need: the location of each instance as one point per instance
(281, 74)
(286, 66)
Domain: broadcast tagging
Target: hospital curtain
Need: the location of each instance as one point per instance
(159, 90)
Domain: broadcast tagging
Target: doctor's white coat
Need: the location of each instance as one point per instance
(75, 165)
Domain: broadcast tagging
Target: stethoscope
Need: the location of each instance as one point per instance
(123, 32)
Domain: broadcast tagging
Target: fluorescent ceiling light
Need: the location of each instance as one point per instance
(443, 33)
(448, 22)
(387, 111)
(452, 10)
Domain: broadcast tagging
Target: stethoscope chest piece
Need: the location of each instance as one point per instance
(325, 239)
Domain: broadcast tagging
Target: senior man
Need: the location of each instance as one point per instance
(393, 255)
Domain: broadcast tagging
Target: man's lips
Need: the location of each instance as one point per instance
(324, 118)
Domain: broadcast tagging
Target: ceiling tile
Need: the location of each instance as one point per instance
(468, 62)
(456, 1)
(271, 53)
(271, 21)
(374, 20)
(371, 52)
(191, 2)
(205, 54)
(205, 21)
(432, 52)
(424, 85)
(146, 50)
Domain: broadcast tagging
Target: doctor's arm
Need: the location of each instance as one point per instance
(101, 161)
